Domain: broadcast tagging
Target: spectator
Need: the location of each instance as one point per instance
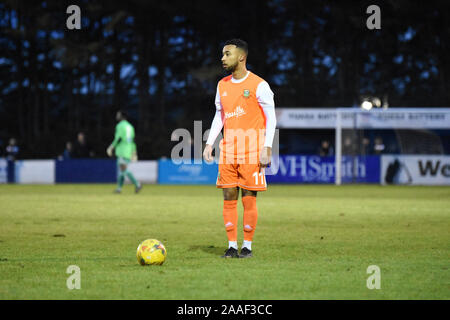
(379, 146)
(67, 153)
(325, 149)
(365, 146)
(12, 150)
(82, 148)
(348, 143)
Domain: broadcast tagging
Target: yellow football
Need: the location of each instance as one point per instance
(151, 252)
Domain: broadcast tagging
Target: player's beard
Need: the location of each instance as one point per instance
(231, 68)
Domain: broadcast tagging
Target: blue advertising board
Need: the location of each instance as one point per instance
(3, 170)
(186, 173)
(316, 169)
(86, 171)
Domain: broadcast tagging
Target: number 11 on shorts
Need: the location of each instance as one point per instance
(259, 174)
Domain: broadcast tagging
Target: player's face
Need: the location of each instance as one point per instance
(231, 56)
(118, 116)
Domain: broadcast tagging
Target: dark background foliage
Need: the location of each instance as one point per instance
(160, 60)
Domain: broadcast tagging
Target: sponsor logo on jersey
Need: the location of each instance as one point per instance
(238, 111)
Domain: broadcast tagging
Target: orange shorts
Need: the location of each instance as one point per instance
(245, 176)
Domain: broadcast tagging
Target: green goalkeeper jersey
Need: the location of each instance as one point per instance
(124, 140)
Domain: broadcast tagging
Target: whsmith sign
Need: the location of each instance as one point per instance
(315, 169)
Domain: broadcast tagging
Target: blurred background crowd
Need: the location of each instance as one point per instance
(160, 61)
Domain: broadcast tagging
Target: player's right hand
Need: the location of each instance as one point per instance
(265, 158)
(207, 153)
(109, 151)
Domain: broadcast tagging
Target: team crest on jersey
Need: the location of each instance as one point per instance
(246, 93)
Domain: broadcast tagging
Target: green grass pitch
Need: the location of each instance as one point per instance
(311, 242)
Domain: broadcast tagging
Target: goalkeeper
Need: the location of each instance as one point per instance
(125, 151)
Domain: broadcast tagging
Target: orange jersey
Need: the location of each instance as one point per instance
(243, 117)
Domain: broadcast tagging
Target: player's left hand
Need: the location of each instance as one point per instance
(265, 158)
(207, 153)
(134, 157)
(109, 151)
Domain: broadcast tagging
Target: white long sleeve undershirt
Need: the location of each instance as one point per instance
(216, 127)
(264, 95)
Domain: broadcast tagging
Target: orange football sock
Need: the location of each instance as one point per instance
(250, 217)
(230, 218)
